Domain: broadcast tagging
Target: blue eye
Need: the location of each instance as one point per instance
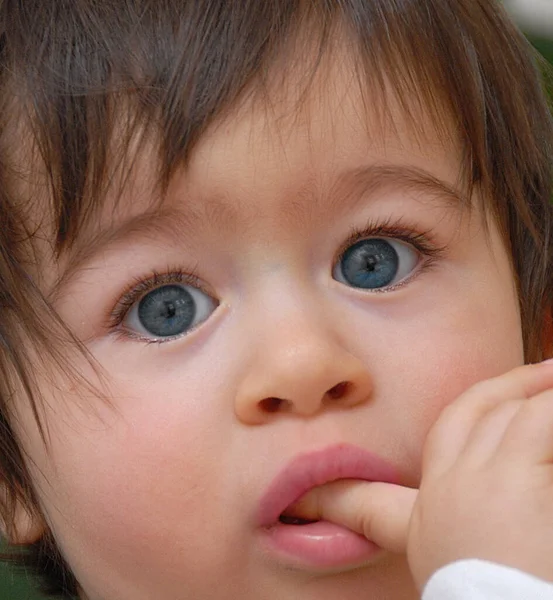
(375, 263)
(169, 311)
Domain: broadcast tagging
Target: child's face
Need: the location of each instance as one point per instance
(158, 495)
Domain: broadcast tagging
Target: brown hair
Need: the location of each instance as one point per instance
(67, 67)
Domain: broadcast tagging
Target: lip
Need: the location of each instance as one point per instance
(320, 546)
(309, 470)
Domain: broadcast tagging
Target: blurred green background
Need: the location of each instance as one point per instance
(545, 46)
(17, 586)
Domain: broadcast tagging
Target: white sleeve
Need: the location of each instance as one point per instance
(481, 580)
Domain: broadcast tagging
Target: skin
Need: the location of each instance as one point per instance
(487, 479)
(153, 493)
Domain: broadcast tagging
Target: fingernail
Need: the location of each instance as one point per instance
(549, 361)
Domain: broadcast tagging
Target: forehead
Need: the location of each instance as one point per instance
(295, 156)
(294, 152)
(338, 126)
(290, 146)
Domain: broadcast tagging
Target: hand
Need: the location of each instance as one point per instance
(486, 489)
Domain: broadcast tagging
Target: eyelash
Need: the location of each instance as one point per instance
(422, 241)
(141, 286)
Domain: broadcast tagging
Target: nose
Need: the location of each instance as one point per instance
(300, 372)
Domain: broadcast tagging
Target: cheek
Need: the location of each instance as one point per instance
(136, 480)
(439, 348)
(440, 381)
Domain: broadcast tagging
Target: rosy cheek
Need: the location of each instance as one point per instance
(128, 482)
(451, 374)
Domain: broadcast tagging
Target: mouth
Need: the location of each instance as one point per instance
(298, 515)
(287, 518)
(318, 545)
(311, 470)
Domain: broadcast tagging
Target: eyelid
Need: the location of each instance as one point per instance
(422, 241)
(141, 286)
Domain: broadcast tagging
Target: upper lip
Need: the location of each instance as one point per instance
(309, 470)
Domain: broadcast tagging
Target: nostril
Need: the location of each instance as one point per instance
(271, 405)
(339, 390)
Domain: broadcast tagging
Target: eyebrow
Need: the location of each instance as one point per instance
(359, 185)
(351, 188)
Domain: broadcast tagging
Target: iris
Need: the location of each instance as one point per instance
(167, 311)
(370, 264)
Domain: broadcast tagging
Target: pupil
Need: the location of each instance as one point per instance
(167, 311)
(370, 264)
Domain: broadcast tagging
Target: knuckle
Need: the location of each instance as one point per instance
(494, 388)
(535, 410)
(481, 393)
(485, 387)
(366, 525)
(365, 516)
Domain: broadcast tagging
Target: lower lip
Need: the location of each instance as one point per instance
(320, 545)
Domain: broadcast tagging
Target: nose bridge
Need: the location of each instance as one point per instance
(294, 322)
(299, 365)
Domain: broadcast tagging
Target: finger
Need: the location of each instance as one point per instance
(379, 511)
(450, 433)
(529, 437)
(487, 435)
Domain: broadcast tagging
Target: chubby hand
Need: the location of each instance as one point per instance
(486, 489)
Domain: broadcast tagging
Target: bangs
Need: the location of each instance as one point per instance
(90, 88)
(74, 67)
